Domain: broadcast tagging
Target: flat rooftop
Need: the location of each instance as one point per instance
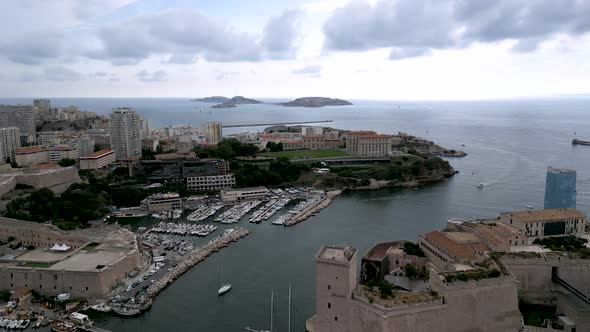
(335, 253)
(88, 260)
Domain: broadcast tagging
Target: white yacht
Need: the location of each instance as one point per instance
(226, 287)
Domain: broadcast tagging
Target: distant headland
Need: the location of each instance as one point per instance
(213, 99)
(224, 102)
(316, 102)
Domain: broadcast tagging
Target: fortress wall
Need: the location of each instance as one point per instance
(485, 305)
(7, 184)
(49, 178)
(534, 274)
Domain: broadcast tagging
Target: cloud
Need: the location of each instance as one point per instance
(414, 28)
(156, 76)
(409, 52)
(308, 70)
(61, 74)
(27, 76)
(226, 75)
(31, 48)
(403, 23)
(181, 34)
(100, 74)
(280, 35)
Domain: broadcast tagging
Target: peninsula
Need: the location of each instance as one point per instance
(212, 99)
(316, 102)
(237, 100)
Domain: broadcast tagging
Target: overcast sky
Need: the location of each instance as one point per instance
(359, 49)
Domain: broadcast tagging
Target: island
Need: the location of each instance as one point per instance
(316, 102)
(212, 99)
(237, 100)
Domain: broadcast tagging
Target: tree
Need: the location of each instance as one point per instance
(411, 271)
(66, 162)
(385, 288)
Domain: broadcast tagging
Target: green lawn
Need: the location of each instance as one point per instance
(307, 154)
(39, 264)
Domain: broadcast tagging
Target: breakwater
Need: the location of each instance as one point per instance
(303, 215)
(191, 259)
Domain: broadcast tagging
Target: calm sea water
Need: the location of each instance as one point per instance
(510, 145)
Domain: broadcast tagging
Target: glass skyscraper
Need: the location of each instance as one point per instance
(560, 188)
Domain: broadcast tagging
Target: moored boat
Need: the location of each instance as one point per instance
(126, 311)
(101, 307)
(61, 326)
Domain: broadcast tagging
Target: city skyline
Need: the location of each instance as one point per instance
(398, 50)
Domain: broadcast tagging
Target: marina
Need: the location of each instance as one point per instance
(183, 229)
(268, 210)
(236, 212)
(203, 212)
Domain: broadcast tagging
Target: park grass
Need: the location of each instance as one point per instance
(307, 154)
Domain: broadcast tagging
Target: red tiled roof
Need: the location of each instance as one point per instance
(361, 132)
(375, 136)
(46, 166)
(543, 215)
(62, 148)
(33, 149)
(459, 250)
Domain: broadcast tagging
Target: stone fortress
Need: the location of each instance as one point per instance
(85, 262)
(467, 277)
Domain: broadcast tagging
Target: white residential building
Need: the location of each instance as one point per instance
(9, 142)
(211, 182)
(20, 116)
(163, 202)
(126, 133)
(243, 194)
(146, 128)
(213, 131)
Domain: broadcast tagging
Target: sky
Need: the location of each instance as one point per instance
(351, 49)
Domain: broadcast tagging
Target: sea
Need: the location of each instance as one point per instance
(510, 144)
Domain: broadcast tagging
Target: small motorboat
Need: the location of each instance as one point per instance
(101, 307)
(480, 186)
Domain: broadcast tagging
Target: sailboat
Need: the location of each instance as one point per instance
(247, 328)
(225, 287)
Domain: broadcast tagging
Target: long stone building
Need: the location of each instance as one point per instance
(85, 263)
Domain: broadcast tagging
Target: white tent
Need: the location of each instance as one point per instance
(57, 247)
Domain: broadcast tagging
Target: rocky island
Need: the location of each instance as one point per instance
(316, 102)
(212, 99)
(237, 100)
